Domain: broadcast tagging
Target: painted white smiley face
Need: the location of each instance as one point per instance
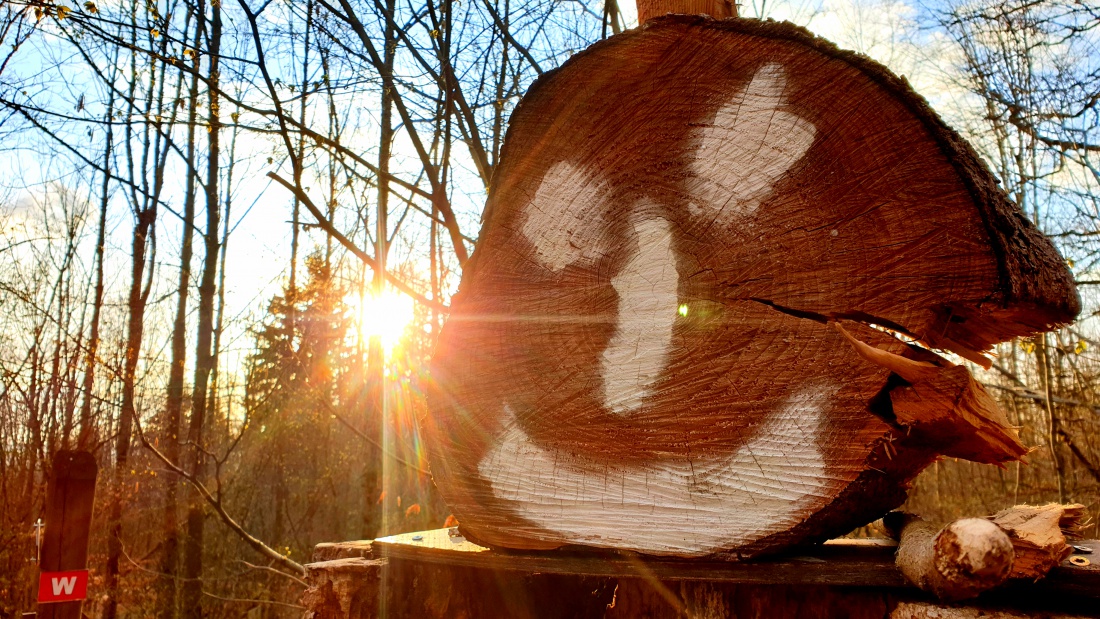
(684, 505)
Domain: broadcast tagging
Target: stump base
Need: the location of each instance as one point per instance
(441, 574)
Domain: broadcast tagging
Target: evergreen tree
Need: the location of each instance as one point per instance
(299, 379)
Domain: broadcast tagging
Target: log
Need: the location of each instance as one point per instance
(973, 555)
(718, 9)
(643, 353)
(963, 559)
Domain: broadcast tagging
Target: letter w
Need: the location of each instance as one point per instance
(65, 584)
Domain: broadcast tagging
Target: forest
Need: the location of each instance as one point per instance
(229, 233)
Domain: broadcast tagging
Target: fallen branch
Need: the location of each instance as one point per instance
(957, 562)
(216, 503)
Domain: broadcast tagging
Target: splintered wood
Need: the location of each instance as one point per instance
(1039, 536)
(644, 353)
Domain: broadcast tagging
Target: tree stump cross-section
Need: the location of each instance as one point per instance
(699, 320)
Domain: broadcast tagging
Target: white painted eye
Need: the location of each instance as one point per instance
(749, 145)
(560, 218)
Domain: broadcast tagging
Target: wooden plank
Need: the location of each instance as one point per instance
(858, 564)
(69, 500)
(332, 551)
(848, 563)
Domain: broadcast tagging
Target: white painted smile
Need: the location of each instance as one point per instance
(672, 506)
(647, 287)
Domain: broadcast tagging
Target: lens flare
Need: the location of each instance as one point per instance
(385, 316)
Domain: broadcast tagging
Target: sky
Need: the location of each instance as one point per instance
(886, 30)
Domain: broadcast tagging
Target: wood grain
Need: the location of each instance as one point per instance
(640, 356)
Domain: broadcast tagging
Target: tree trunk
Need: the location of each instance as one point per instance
(87, 431)
(644, 353)
(191, 597)
(134, 329)
(167, 584)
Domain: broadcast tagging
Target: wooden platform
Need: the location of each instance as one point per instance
(441, 574)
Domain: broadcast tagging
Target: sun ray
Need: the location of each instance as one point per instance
(385, 316)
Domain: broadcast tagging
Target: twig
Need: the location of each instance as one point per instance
(327, 226)
(370, 440)
(1038, 397)
(255, 543)
(275, 571)
(249, 601)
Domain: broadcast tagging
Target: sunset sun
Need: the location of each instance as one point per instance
(384, 316)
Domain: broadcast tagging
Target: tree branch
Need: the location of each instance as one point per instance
(255, 543)
(327, 226)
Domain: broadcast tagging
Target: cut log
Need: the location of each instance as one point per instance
(963, 559)
(640, 354)
(972, 555)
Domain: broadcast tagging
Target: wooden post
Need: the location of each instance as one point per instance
(718, 9)
(69, 500)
